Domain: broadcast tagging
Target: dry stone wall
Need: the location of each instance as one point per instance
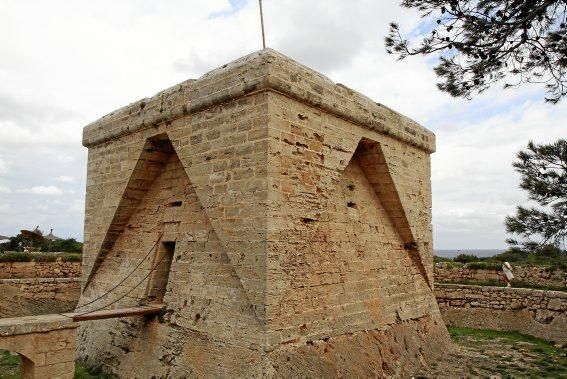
(26, 297)
(538, 313)
(299, 212)
(534, 275)
(28, 270)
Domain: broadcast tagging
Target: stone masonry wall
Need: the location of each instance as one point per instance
(542, 314)
(29, 270)
(46, 344)
(26, 297)
(541, 276)
(325, 200)
(300, 213)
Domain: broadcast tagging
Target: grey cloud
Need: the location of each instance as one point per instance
(114, 63)
(474, 184)
(195, 65)
(29, 112)
(320, 34)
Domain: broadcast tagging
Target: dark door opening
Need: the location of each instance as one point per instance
(160, 275)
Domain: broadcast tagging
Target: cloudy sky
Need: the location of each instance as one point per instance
(66, 63)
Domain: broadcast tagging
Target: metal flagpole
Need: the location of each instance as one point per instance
(262, 24)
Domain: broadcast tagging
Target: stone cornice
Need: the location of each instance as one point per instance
(265, 70)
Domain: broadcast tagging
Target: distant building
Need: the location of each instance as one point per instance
(52, 237)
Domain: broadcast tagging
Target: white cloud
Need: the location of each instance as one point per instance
(3, 167)
(474, 184)
(68, 63)
(42, 190)
(4, 189)
(43, 208)
(55, 135)
(78, 206)
(65, 179)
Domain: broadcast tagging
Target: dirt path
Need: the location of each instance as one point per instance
(494, 354)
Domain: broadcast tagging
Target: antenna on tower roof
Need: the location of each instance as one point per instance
(262, 24)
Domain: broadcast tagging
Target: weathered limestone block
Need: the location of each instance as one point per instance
(46, 344)
(283, 219)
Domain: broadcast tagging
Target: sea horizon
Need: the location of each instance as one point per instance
(451, 253)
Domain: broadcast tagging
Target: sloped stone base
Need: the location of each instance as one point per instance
(401, 350)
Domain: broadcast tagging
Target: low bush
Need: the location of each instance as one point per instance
(466, 258)
(85, 372)
(561, 266)
(438, 259)
(45, 257)
(547, 256)
(455, 264)
(483, 266)
(71, 257)
(40, 257)
(16, 257)
(513, 255)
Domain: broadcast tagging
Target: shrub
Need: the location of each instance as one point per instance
(550, 251)
(40, 257)
(483, 266)
(86, 372)
(16, 257)
(546, 256)
(69, 245)
(562, 266)
(438, 259)
(71, 257)
(465, 258)
(66, 246)
(44, 257)
(511, 255)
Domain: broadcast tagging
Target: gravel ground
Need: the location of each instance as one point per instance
(495, 354)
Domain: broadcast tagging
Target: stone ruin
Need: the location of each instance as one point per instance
(284, 221)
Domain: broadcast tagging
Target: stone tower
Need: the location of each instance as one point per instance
(284, 220)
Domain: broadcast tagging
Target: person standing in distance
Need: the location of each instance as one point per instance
(508, 274)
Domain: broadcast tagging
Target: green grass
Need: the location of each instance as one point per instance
(532, 357)
(539, 345)
(82, 372)
(9, 359)
(10, 368)
(9, 365)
